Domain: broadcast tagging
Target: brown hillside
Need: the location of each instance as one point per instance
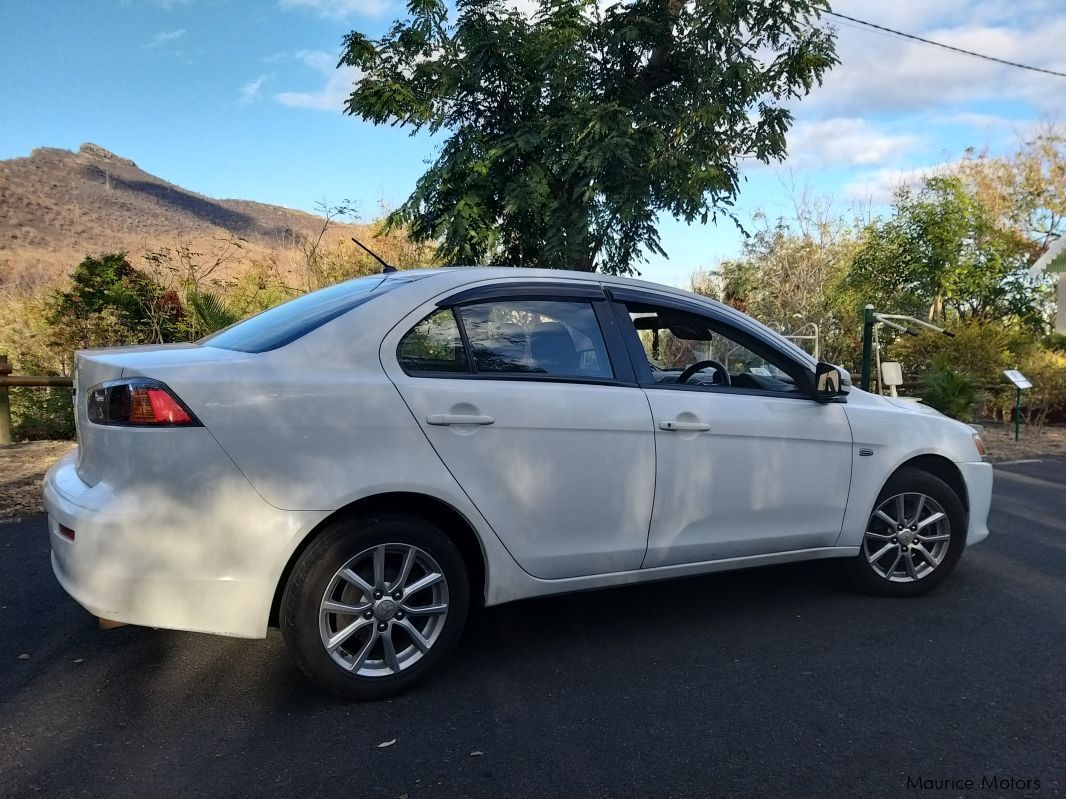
(56, 206)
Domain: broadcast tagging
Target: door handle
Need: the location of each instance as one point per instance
(444, 419)
(675, 426)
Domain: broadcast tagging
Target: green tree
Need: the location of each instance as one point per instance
(111, 302)
(944, 256)
(1024, 193)
(571, 130)
(789, 276)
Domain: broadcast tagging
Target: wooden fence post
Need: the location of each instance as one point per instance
(5, 404)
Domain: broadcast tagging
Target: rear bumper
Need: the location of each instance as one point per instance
(978, 479)
(206, 563)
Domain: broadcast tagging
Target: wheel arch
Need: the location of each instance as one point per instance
(941, 467)
(436, 511)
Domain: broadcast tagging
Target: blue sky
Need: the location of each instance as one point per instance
(241, 99)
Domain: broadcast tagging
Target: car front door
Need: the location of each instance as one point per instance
(549, 436)
(747, 462)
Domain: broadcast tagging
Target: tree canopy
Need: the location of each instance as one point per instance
(569, 131)
(943, 250)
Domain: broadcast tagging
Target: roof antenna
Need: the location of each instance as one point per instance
(386, 268)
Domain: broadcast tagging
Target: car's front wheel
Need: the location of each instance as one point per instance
(374, 604)
(914, 536)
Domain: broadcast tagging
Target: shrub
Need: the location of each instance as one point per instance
(111, 302)
(1046, 370)
(1056, 341)
(41, 413)
(981, 350)
(951, 392)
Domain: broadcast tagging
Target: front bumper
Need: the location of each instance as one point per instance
(978, 479)
(208, 562)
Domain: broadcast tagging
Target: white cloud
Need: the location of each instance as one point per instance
(166, 5)
(251, 91)
(880, 185)
(338, 83)
(164, 37)
(845, 141)
(880, 72)
(339, 9)
(973, 119)
(526, 8)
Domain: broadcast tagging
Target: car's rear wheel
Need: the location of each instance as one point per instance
(374, 604)
(914, 536)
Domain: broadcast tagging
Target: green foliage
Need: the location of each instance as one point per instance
(1047, 371)
(943, 257)
(953, 393)
(210, 313)
(571, 131)
(257, 288)
(41, 413)
(1056, 341)
(979, 349)
(111, 302)
(789, 277)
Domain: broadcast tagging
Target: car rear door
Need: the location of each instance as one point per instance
(522, 393)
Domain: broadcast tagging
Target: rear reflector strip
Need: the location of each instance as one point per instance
(66, 532)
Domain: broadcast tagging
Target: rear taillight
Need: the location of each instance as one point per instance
(138, 402)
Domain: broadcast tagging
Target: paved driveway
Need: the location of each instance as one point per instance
(766, 683)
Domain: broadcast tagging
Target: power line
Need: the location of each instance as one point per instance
(946, 46)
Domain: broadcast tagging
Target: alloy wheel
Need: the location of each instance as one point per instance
(907, 537)
(383, 610)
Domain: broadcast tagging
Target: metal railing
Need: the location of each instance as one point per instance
(8, 380)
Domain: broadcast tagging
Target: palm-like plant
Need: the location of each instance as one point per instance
(953, 393)
(209, 311)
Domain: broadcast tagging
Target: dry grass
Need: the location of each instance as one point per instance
(57, 206)
(22, 468)
(1048, 443)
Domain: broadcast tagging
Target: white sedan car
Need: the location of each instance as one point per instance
(360, 464)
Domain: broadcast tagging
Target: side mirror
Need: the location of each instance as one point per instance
(831, 383)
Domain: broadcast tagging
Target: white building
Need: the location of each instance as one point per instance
(1054, 262)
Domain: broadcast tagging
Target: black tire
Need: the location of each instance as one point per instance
(907, 481)
(314, 573)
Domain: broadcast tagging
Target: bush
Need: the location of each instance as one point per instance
(1046, 370)
(110, 302)
(41, 413)
(981, 350)
(1056, 341)
(953, 393)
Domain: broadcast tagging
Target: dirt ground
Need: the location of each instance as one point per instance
(22, 466)
(1047, 443)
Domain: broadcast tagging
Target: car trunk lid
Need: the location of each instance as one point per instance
(92, 367)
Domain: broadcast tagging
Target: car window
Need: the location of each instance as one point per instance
(673, 341)
(285, 323)
(433, 345)
(544, 337)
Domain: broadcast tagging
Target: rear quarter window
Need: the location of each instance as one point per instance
(285, 323)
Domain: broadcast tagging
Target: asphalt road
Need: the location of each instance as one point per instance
(774, 682)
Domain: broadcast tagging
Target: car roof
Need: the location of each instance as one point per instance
(460, 275)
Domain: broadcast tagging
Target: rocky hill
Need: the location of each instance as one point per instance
(56, 206)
